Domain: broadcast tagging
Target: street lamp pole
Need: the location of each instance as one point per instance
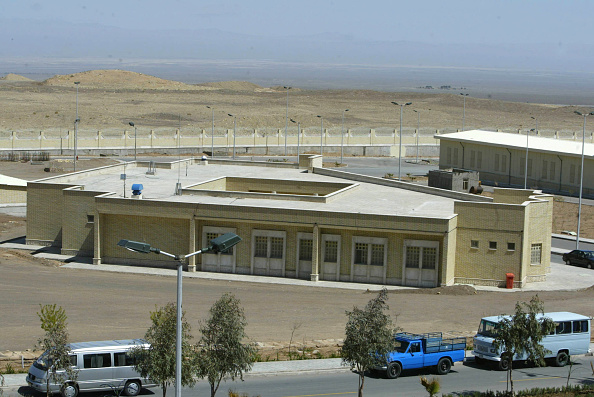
(212, 133)
(526, 166)
(577, 240)
(464, 110)
(133, 125)
(220, 244)
(342, 135)
(286, 117)
(321, 136)
(402, 105)
(76, 121)
(234, 125)
(298, 134)
(418, 130)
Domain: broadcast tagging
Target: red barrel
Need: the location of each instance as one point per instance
(509, 280)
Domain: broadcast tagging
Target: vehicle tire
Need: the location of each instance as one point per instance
(567, 262)
(393, 371)
(503, 365)
(562, 359)
(589, 266)
(69, 390)
(132, 388)
(444, 365)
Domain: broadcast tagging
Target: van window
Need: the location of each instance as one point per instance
(97, 360)
(580, 326)
(73, 360)
(122, 359)
(563, 327)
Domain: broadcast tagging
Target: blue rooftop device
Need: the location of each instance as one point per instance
(137, 189)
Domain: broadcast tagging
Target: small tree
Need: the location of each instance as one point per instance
(221, 353)
(369, 337)
(158, 361)
(521, 333)
(55, 343)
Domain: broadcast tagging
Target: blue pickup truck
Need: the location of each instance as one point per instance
(423, 350)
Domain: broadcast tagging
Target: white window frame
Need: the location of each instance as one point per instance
(331, 237)
(268, 234)
(532, 251)
(369, 241)
(219, 230)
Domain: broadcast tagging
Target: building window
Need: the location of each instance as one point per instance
(535, 254)
(465, 185)
(511, 246)
(369, 251)
(472, 158)
(496, 162)
(455, 156)
(529, 167)
(261, 247)
(552, 171)
(572, 173)
(545, 165)
(479, 160)
(210, 233)
(504, 163)
(413, 256)
(522, 166)
(449, 156)
(429, 257)
(360, 253)
(377, 255)
(492, 245)
(331, 251)
(474, 243)
(90, 218)
(276, 247)
(305, 249)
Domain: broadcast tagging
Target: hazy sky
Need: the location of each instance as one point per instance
(430, 21)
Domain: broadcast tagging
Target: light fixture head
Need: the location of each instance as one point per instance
(131, 123)
(224, 242)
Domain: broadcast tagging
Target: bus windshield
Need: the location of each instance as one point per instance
(488, 328)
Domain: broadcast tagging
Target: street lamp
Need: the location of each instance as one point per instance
(220, 244)
(418, 130)
(287, 117)
(526, 166)
(212, 133)
(342, 135)
(464, 110)
(402, 105)
(132, 125)
(577, 240)
(234, 124)
(321, 135)
(76, 121)
(298, 134)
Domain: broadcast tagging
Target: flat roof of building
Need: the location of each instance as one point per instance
(518, 141)
(366, 198)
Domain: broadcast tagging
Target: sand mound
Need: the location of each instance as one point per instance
(118, 79)
(233, 85)
(15, 77)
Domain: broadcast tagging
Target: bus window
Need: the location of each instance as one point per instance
(122, 359)
(580, 326)
(563, 327)
(97, 360)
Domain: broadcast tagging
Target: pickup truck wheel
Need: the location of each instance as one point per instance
(444, 365)
(562, 359)
(394, 370)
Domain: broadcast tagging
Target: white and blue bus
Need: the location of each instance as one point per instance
(570, 337)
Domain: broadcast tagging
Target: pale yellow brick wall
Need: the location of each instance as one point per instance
(77, 228)
(12, 194)
(44, 213)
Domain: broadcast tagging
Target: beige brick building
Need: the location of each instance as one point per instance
(296, 220)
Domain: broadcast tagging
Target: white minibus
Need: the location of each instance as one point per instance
(570, 337)
(104, 365)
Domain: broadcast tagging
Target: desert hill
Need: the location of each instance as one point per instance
(14, 77)
(119, 79)
(233, 86)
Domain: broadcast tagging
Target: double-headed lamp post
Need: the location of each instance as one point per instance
(526, 165)
(133, 125)
(298, 134)
(463, 110)
(220, 244)
(234, 125)
(212, 133)
(584, 115)
(287, 117)
(76, 121)
(402, 105)
(342, 135)
(321, 135)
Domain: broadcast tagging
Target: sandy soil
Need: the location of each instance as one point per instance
(109, 99)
